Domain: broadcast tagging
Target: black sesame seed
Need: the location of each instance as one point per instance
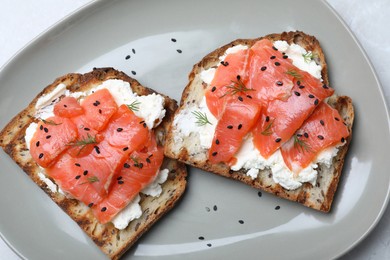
(239, 126)
(125, 149)
(277, 207)
(119, 178)
(342, 139)
(298, 83)
(127, 57)
(325, 86)
(260, 194)
(279, 83)
(263, 68)
(78, 177)
(201, 238)
(322, 122)
(230, 127)
(285, 56)
(142, 122)
(65, 106)
(119, 129)
(316, 102)
(301, 87)
(215, 208)
(77, 164)
(299, 135)
(225, 63)
(126, 165)
(41, 127)
(103, 209)
(238, 77)
(297, 93)
(100, 111)
(133, 72)
(37, 144)
(148, 160)
(141, 165)
(337, 119)
(48, 137)
(267, 119)
(96, 103)
(213, 89)
(277, 63)
(144, 125)
(240, 98)
(272, 57)
(179, 51)
(217, 141)
(278, 140)
(214, 153)
(133, 50)
(241, 221)
(209, 245)
(97, 149)
(173, 39)
(249, 96)
(90, 205)
(40, 155)
(121, 182)
(311, 96)
(46, 130)
(320, 137)
(85, 172)
(86, 129)
(273, 47)
(306, 135)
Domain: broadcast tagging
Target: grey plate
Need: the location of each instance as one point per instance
(103, 34)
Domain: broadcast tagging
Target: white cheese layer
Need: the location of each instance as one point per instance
(150, 108)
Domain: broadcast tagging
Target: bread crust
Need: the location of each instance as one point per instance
(111, 241)
(319, 196)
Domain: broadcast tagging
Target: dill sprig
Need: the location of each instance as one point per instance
(84, 142)
(237, 86)
(201, 118)
(134, 105)
(308, 56)
(49, 122)
(91, 179)
(301, 145)
(268, 129)
(294, 73)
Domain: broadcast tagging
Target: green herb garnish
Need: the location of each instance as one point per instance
(268, 129)
(134, 105)
(301, 145)
(308, 56)
(236, 87)
(91, 180)
(84, 142)
(201, 118)
(49, 122)
(294, 73)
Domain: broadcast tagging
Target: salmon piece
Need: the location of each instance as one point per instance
(229, 76)
(140, 169)
(268, 73)
(126, 130)
(324, 128)
(281, 119)
(236, 121)
(76, 178)
(98, 109)
(51, 138)
(68, 107)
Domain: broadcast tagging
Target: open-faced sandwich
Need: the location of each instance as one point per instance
(261, 111)
(94, 144)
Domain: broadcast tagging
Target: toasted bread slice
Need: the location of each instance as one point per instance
(111, 241)
(189, 150)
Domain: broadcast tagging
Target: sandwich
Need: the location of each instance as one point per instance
(262, 111)
(94, 143)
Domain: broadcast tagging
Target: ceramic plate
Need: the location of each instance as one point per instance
(157, 42)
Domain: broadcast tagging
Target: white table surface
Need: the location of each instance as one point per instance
(21, 21)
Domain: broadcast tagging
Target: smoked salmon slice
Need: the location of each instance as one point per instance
(140, 169)
(68, 107)
(51, 139)
(324, 128)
